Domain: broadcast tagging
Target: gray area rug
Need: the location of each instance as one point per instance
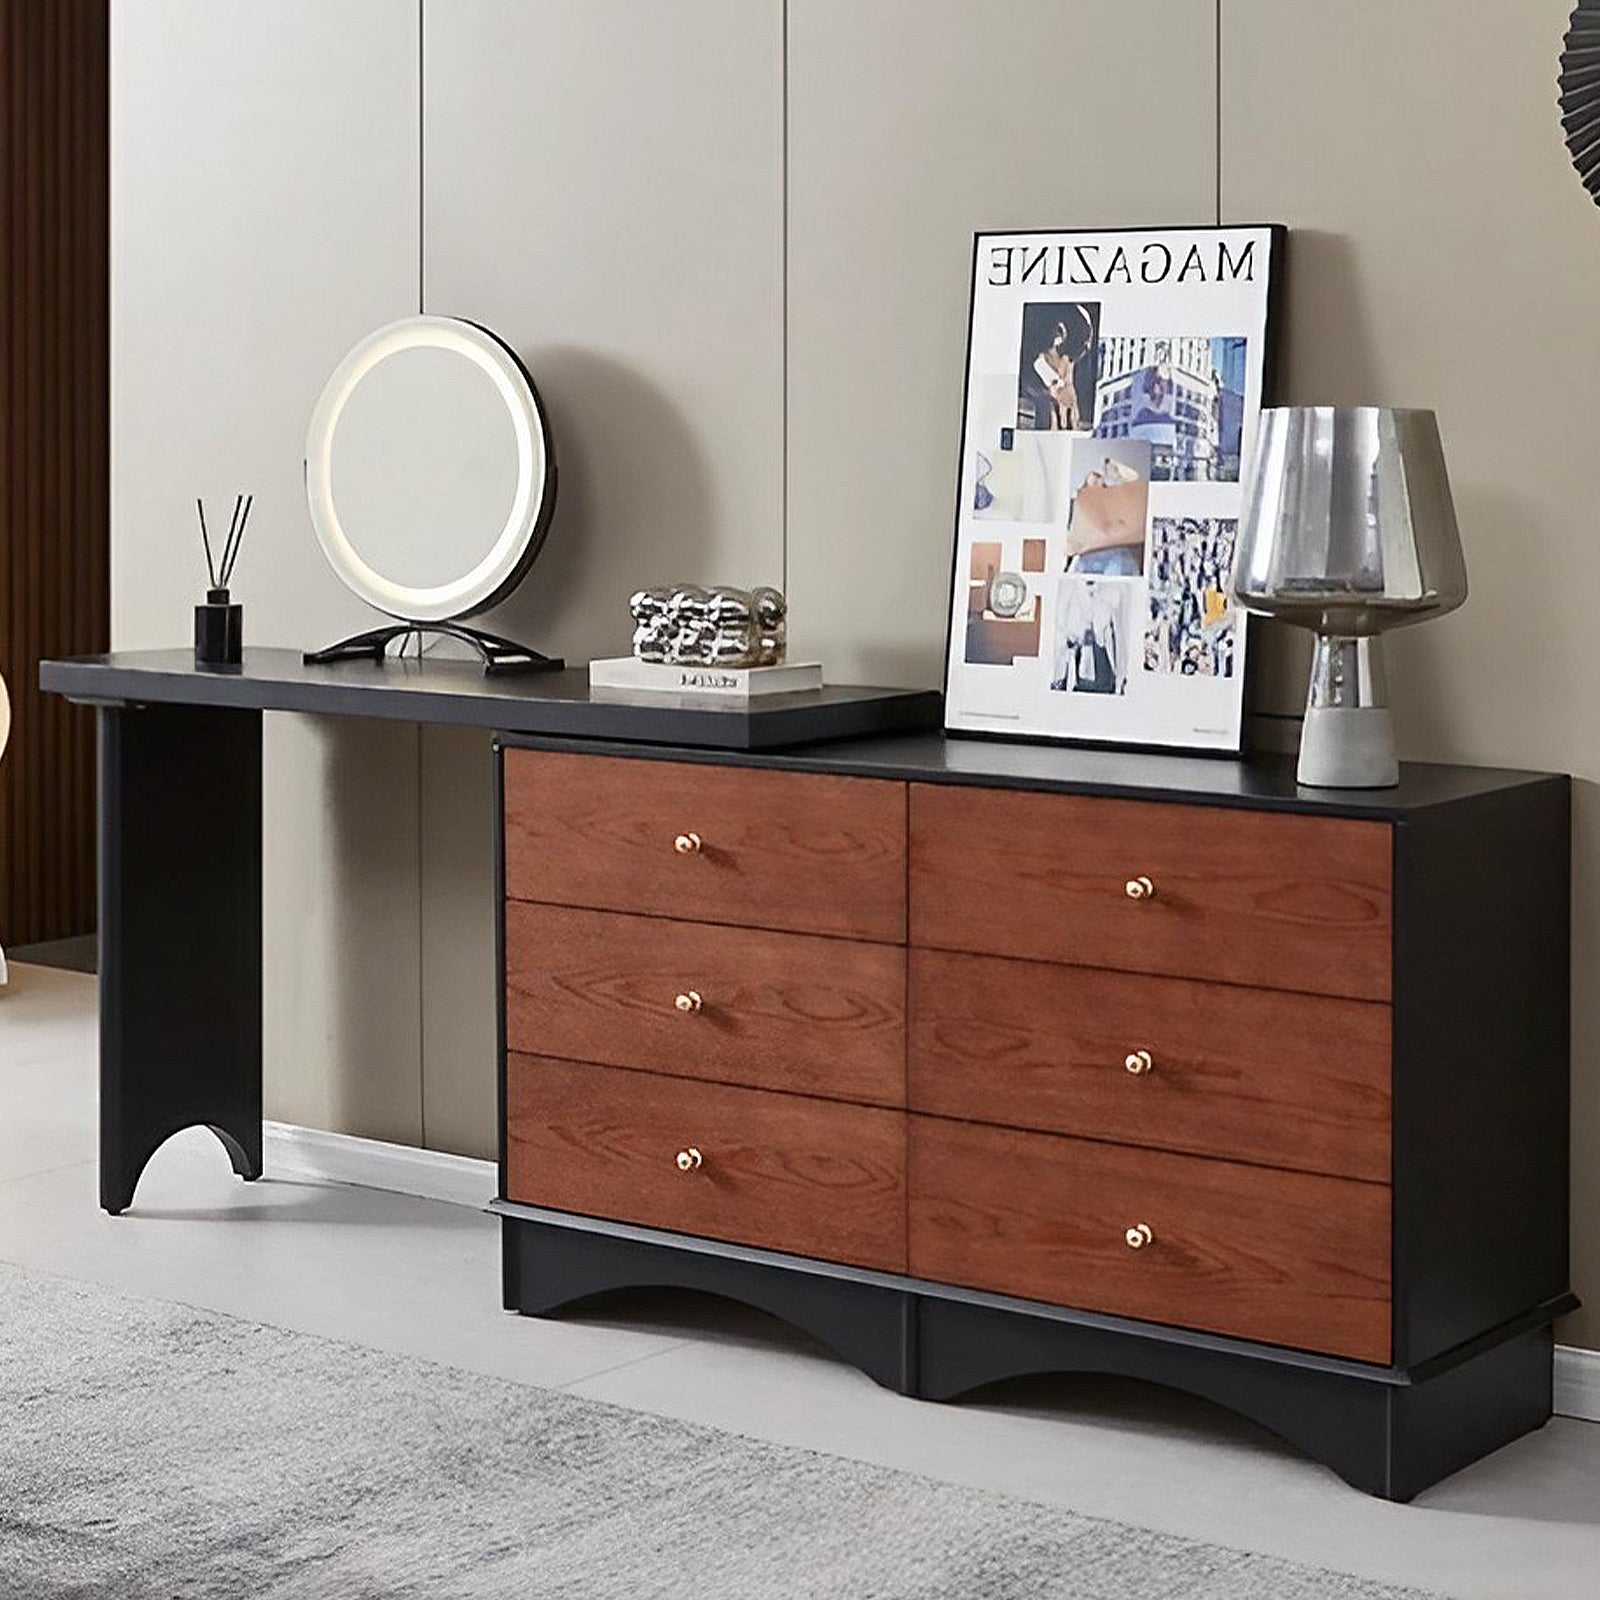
(153, 1450)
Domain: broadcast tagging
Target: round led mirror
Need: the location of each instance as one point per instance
(430, 480)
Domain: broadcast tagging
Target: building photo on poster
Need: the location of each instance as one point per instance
(1114, 381)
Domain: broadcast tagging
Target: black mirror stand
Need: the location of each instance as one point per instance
(500, 657)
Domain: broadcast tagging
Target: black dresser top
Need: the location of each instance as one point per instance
(555, 710)
(1262, 783)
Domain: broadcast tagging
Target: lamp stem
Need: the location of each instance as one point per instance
(1348, 740)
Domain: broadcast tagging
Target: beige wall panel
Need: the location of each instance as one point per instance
(604, 189)
(264, 216)
(914, 123)
(459, 987)
(342, 1026)
(1446, 257)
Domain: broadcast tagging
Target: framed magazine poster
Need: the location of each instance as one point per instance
(1114, 381)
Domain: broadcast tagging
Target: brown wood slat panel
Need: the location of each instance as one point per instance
(776, 1010)
(1268, 900)
(54, 539)
(801, 852)
(1288, 1258)
(1287, 1080)
(810, 1177)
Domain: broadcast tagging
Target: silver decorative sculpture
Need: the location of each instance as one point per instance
(1349, 530)
(719, 627)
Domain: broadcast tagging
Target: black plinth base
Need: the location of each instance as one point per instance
(871, 1327)
(1389, 1432)
(500, 657)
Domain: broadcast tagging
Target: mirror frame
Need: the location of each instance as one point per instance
(532, 505)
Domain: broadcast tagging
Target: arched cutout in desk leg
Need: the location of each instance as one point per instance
(180, 935)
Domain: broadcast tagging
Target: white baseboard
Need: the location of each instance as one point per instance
(1577, 1383)
(463, 1181)
(343, 1158)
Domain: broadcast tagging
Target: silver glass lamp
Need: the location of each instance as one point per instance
(1349, 530)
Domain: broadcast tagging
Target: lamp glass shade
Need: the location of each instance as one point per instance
(1349, 530)
(1348, 524)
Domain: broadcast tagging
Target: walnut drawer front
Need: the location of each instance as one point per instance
(782, 1011)
(1258, 1075)
(803, 852)
(786, 1172)
(1286, 1258)
(1268, 899)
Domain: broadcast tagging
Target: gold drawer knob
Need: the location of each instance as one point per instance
(1139, 888)
(689, 1000)
(1139, 1235)
(689, 1159)
(687, 844)
(1138, 1062)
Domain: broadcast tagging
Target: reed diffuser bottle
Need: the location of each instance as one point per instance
(219, 622)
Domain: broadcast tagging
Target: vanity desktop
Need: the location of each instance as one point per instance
(970, 1059)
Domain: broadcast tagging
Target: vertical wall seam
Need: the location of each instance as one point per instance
(421, 168)
(421, 754)
(783, 291)
(1216, 57)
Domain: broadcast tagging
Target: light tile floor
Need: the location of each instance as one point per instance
(422, 1278)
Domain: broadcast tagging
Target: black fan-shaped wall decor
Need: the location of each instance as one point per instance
(1579, 83)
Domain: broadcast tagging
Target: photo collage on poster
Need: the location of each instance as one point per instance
(1106, 427)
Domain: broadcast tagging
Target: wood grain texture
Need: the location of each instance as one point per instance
(811, 1177)
(1282, 902)
(806, 853)
(1286, 1080)
(54, 524)
(779, 1011)
(1286, 1258)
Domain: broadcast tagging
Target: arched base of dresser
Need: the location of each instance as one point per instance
(548, 1267)
(1388, 1432)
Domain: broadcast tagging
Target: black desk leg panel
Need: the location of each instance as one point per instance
(180, 935)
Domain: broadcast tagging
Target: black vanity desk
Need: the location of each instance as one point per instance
(180, 830)
(180, 845)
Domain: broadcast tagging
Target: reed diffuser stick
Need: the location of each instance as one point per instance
(230, 555)
(227, 544)
(205, 539)
(219, 566)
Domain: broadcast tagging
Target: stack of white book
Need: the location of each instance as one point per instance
(631, 675)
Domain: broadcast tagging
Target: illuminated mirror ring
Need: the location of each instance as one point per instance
(457, 431)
